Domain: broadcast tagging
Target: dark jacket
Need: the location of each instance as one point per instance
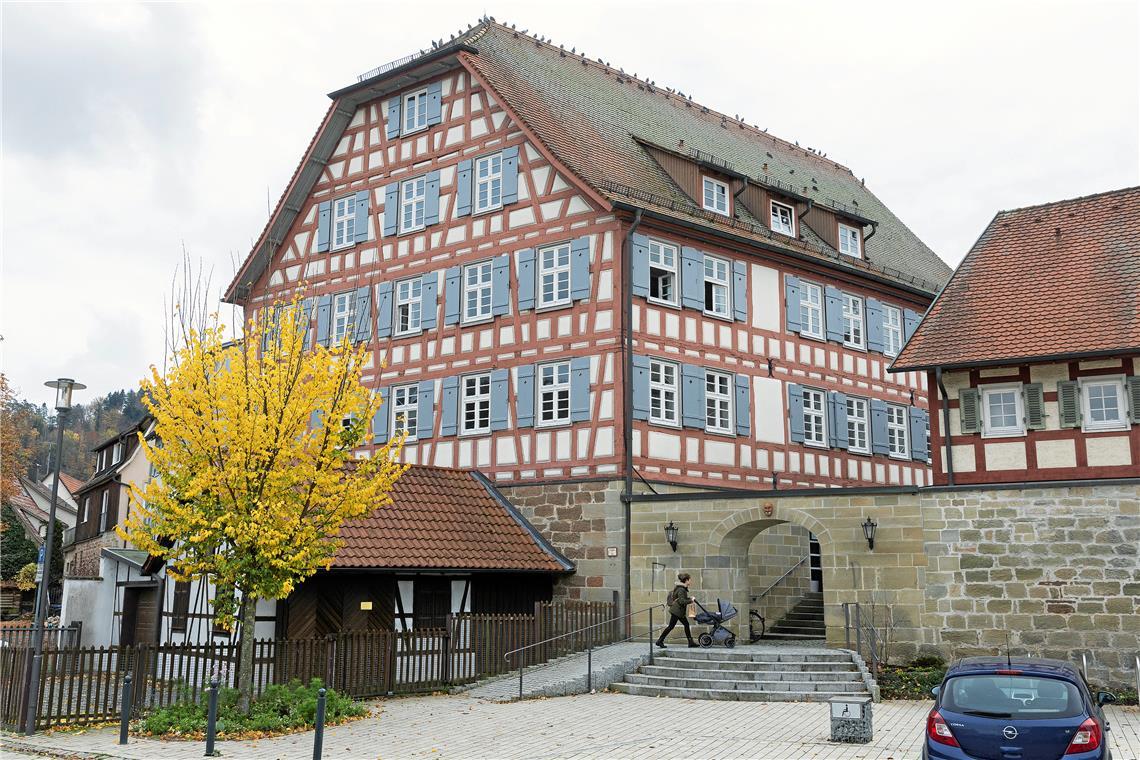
(679, 600)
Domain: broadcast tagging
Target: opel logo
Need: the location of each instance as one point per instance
(1009, 732)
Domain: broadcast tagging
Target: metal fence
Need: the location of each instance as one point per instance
(55, 637)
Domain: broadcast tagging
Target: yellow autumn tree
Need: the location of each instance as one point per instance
(254, 463)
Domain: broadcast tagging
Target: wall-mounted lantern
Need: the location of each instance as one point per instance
(671, 535)
(869, 526)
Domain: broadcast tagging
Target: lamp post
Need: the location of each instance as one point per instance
(63, 390)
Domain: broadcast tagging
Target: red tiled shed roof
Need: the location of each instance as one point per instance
(1061, 279)
(71, 483)
(446, 519)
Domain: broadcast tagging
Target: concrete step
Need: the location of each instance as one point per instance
(719, 674)
(832, 687)
(738, 695)
(744, 654)
(807, 638)
(796, 626)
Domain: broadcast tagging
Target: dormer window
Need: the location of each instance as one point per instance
(783, 219)
(851, 241)
(415, 111)
(715, 196)
(117, 453)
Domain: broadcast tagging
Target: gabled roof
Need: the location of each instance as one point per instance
(44, 493)
(1060, 280)
(72, 484)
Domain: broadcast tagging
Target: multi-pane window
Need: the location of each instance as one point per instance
(811, 310)
(663, 392)
(663, 272)
(85, 510)
(1103, 402)
(815, 417)
(850, 241)
(181, 608)
(783, 219)
(103, 510)
(858, 425)
(117, 453)
(554, 393)
(853, 333)
(892, 330)
(344, 222)
(412, 197)
(897, 431)
(1001, 411)
(405, 410)
(718, 402)
(488, 182)
(477, 291)
(716, 196)
(554, 275)
(409, 305)
(415, 111)
(475, 403)
(342, 317)
(717, 277)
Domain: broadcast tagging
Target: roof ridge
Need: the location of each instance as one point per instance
(1077, 199)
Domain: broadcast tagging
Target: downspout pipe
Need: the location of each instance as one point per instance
(945, 425)
(803, 214)
(874, 229)
(627, 404)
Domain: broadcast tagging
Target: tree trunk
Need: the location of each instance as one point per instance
(245, 654)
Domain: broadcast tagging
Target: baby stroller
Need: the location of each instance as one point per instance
(717, 633)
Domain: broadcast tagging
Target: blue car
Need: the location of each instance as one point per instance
(1022, 708)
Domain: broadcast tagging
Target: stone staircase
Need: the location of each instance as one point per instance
(804, 622)
(755, 673)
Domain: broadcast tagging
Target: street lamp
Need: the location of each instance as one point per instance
(64, 387)
(869, 526)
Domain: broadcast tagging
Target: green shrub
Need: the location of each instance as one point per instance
(928, 661)
(909, 682)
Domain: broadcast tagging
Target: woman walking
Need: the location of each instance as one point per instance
(678, 603)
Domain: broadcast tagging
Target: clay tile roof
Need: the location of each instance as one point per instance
(1061, 279)
(446, 519)
(71, 483)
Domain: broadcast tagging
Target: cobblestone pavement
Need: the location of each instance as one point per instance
(590, 726)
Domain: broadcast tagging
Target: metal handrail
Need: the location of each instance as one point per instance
(792, 569)
(872, 634)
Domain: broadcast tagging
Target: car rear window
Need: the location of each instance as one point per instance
(1013, 697)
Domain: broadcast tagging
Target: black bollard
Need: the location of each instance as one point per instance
(319, 734)
(212, 717)
(125, 719)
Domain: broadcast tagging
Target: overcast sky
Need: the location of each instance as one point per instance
(130, 131)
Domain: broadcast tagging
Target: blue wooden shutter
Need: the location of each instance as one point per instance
(837, 416)
(510, 175)
(316, 419)
(527, 279)
(917, 419)
(362, 314)
(970, 410)
(640, 387)
(692, 279)
(383, 414)
(324, 226)
(910, 323)
(306, 322)
(384, 310)
(434, 103)
(580, 269)
(360, 223)
(833, 301)
(501, 285)
(391, 209)
(449, 406)
(792, 303)
(324, 319)
(463, 188)
(394, 117)
(796, 413)
(740, 291)
(500, 382)
(428, 306)
(425, 409)
(580, 389)
(524, 397)
(451, 295)
(639, 265)
(875, 320)
(692, 396)
(431, 199)
(879, 443)
(743, 406)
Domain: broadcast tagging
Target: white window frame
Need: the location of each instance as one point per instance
(1117, 383)
(117, 452)
(847, 234)
(344, 222)
(720, 203)
(717, 282)
(854, 322)
(858, 422)
(991, 431)
(776, 219)
(812, 415)
(659, 255)
(662, 390)
(892, 330)
(84, 510)
(418, 114)
(342, 316)
(104, 510)
(719, 403)
(480, 398)
(808, 307)
(901, 430)
(557, 274)
(554, 387)
(405, 410)
(492, 183)
(482, 290)
(413, 198)
(409, 297)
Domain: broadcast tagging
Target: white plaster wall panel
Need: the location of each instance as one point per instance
(563, 445)
(692, 449)
(1100, 364)
(356, 164)
(725, 337)
(848, 364)
(1005, 456)
(342, 146)
(521, 217)
(583, 435)
(1060, 453)
(1108, 452)
(483, 452)
(865, 471)
(542, 447)
(852, 469)
(774, 348)
(274, 279)
(577, 206)
(605, 285)
(768, 409)
(765, 291)
(665, 445)
(805, 354)
(559, 182)
(603, 320)
(444, 454)
(719, 453)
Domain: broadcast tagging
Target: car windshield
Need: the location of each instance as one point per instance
(1011, 697)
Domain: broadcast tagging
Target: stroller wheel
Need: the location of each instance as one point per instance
(705, 640)
(730, 642)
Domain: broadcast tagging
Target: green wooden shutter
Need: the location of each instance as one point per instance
(1069, 403)
(970, 409)
(1133, 388)
(1034, 396)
